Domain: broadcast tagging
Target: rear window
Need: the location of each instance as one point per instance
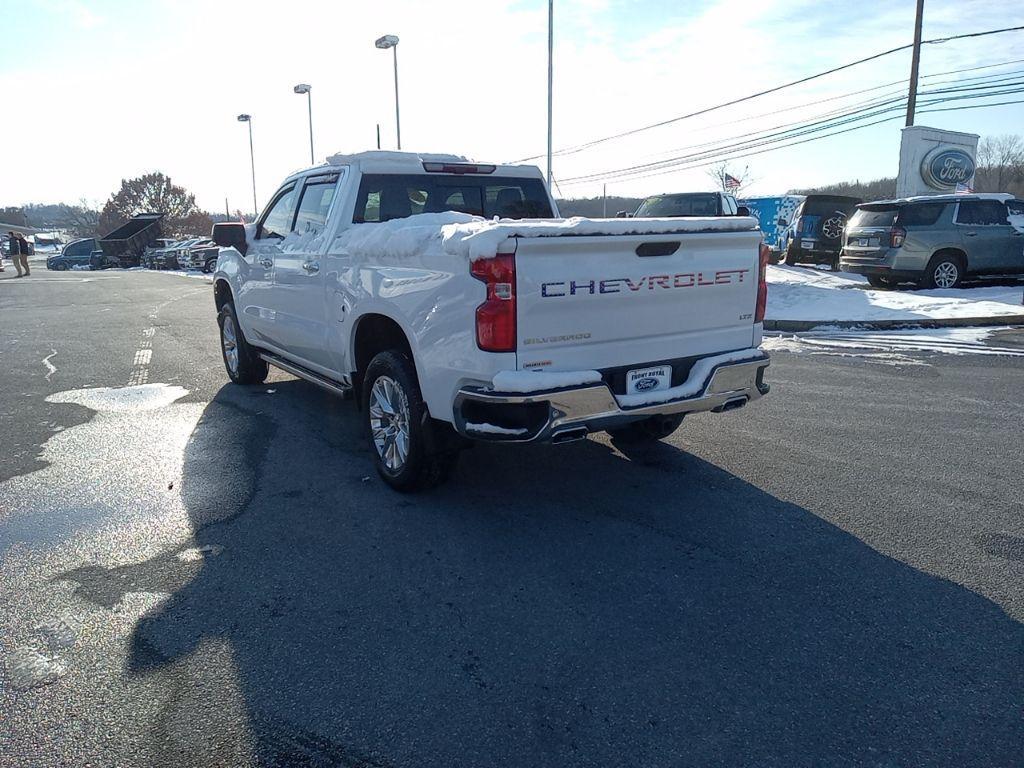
(669, 206)
(920, 215)
(383, 197)
(874, 217)
(823, 207)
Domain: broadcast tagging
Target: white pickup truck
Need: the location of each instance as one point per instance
(450, 300)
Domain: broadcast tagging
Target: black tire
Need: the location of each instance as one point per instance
(834, 264)
(60, 267)
(431, 447)
(210, 265)
(944, 270)
(649, 430)
(249, 367)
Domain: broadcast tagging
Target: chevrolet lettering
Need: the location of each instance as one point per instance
(649, 282)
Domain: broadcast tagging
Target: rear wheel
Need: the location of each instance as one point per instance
(648, 430)
(945, 270)
(411, 451)
(60, 267)
(243, 363)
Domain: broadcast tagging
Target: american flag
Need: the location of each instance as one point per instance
(963, 189)
(731, 182)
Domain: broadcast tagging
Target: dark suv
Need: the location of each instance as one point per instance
(815, 235)
(935, 241)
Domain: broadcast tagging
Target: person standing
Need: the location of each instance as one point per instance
(19, 254)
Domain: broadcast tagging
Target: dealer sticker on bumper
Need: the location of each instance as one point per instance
(641, 380)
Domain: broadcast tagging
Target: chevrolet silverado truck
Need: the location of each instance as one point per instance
(449, 300)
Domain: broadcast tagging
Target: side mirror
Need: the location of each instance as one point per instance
(230, 234)
(742, 210)
(622, 215)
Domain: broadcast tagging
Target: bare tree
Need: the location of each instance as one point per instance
(1000, 164)
(154, 193)
(719, 171)
(80, 220)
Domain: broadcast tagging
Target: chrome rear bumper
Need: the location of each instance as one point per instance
(573, 412)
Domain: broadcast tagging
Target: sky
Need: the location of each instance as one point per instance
(100, 90)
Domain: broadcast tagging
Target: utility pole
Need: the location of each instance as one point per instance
(378, 135)
(604, 201)
(551, 48)
(914, 63)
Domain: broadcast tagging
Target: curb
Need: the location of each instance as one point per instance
(797, 326)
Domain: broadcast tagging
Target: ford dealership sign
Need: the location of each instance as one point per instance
(944, 168)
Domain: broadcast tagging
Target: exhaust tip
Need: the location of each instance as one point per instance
(569, 435)
(732, 405)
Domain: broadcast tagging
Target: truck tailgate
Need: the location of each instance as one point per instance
(587, 302)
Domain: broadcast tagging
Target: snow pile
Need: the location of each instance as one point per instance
(695, 381)
(536, 381)
(796, 293)
(494, 429)
(480, 238)
(473, 237)
(403, 239)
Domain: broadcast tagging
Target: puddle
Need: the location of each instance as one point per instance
(143, 397)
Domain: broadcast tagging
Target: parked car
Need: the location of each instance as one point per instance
(815, 233)
(77, 253)
(685, 204)
(935, 241)
(202, 255)
(533, 331)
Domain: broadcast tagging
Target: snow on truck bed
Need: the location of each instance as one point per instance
(473, 237)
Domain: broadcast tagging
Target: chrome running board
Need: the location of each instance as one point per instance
(294, 369)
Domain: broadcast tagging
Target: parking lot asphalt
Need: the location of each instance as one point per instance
(197, 573)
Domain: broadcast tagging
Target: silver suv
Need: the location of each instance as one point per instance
(934, 241)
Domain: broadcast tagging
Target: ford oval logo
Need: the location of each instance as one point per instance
(644, 385)
(945, 168)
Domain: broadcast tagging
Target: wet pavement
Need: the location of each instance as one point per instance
(194, 573)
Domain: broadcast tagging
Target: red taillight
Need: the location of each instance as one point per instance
(762, 284)
(496, 317)
(896, 236)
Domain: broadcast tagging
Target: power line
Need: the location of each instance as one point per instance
(704, 164)
(785, 131)
(752, 141)
(800, 81)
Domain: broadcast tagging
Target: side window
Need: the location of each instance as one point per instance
(1015, 207)
(982, 213)
(277, 221)
(920, 215)
(315, 205)
(730, 206)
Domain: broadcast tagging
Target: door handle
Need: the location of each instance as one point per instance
(266, 263)
(970, 234)
(312, 267)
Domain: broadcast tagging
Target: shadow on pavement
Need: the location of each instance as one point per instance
(548, 607)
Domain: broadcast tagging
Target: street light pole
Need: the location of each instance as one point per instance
(551, 48)
(383, 43)
(915, 61)
(308, 90)
(252, 162)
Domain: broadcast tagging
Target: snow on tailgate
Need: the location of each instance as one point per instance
(476, 238)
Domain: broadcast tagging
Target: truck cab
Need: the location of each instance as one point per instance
(688, 204)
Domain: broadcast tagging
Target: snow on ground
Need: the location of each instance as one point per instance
(798, 293)
(887, 346)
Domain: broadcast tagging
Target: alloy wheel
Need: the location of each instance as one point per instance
(229, 338)
(946, 274)
(389, 422)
